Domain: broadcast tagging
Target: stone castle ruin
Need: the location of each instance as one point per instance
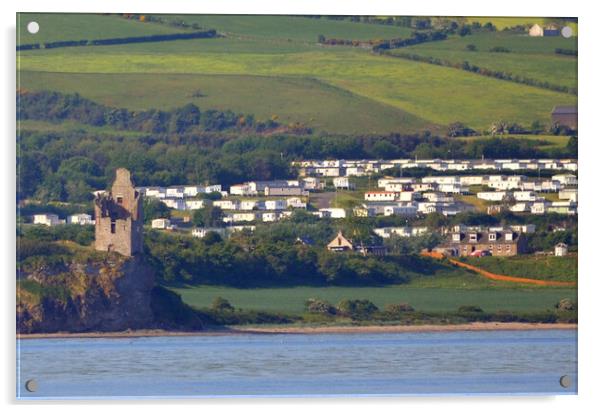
(118, 215)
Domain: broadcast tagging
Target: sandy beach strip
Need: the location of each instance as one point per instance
(297, 329)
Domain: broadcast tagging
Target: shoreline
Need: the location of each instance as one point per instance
(369, 329)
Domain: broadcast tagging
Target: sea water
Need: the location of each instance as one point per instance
(467, 362)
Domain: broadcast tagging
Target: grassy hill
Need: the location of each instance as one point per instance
(272, 66)
(531, 57)
(76, 26)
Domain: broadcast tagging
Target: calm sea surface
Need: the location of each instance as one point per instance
(281, 365)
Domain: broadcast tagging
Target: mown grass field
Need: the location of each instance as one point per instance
(430, 94)
(291, 300)
(529, 57)
(291, 28)
(289, 99)
(78, 26)
(538, 267)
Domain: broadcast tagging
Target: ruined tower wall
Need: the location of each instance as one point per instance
(119, 220)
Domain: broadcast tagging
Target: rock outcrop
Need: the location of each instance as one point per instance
(113, 294)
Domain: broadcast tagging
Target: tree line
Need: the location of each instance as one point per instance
(208, 34)
(497, 74)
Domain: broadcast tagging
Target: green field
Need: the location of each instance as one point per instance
(506, 22)
(547, 141)
(292, 28)
(78, 26)
(530, 57)
(291, 99)
(291, 300)
(272, 66)
(538, 267)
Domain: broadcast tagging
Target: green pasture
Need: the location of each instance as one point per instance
(529, 57)
(287, 99)
(546, 141)
(78, 26)
(438, 95)
(539, 267)
(291, 300)
(291, 28)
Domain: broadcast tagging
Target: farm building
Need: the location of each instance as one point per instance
(499, 243)
(561, 249)
(565, 116)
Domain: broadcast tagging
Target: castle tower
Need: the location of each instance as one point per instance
(119, 218)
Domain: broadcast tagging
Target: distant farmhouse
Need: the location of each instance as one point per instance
(538, 31)
(477, 242)
(565, 116)
(342, 244)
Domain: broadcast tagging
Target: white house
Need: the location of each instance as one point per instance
(495, 196)
(193, 204)
(193, 190)
(162, 223)
(387, 232)
(409, 210)
(241, 189)
(80, 219)
(269, 216)
(46, 219)
(536, 31)
(539, 207)
(380, 196)
(227, 204)
(342, 182)
(274, 205)
(312, 183)
(202, 232)
(249, 205)
(174, 192)
(565, 179)
(296, 203)
(561, 249)
(332, 213)
(175, 203)
(524, 195)
(568, 194)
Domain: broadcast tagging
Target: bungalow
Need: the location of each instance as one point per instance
(174, 192)
(387, 232)
(162, 223)
(80, 219)
(492, 196)
(277, 204)
(524, 196)
(568, 194)
(296, 203)
(561, 249)
(202, 232)
(193, 190)
(380, 196)
(340, 244)
(565, 179)
(269, 216)
(47, 219)
(227, 204)
(284, 191)
(175, 203)
(242, 190)
(332, 213)
(312, 183)
(194, 204)
(250, 205)
(407, 210)
(342, 182)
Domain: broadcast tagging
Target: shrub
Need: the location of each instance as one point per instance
(398, 308)
(357, 309)
(566, 305)
(221, 304)
(315, 305)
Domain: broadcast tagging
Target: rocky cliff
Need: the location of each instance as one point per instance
(114, 293)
